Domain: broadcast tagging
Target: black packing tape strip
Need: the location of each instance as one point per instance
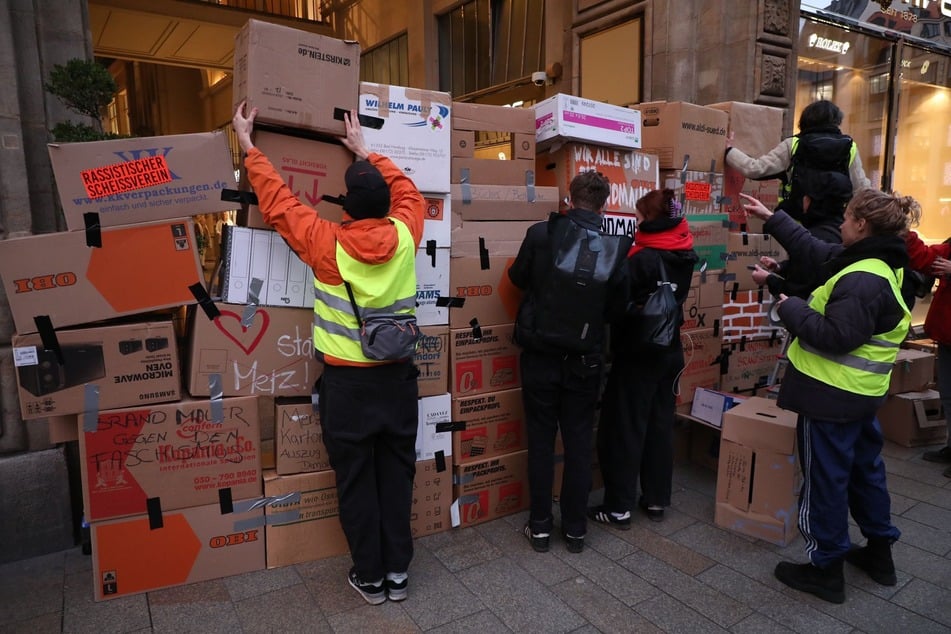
(238, 196)
(735, 291)
(365, 120)
(716, 327)
(44, 326)
(337, 200)
(773, 336)
(450, 302)
(476, 329)
(93, 229)
(225, 503)
(759, 296)
(456, 425)
(483, 254)
(153, 506)
(743, 343)
(746, 239)
(204, 300)
(440, 457)
(431, 251)
(724, 360)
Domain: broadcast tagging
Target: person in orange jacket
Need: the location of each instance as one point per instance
(368, 409)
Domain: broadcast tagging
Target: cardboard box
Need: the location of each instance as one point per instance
(271, 353)
(57, 275)
(261, 257)
(303, 521)
(632, 173)
(125, 364)
(677, 129)
(745, 250)
(432, 497)
(311, 167)
(699, 193)
(295, 78)
(913, 371)
(709, 405)
(766, 191)
(488, 489)
(415, 133)
(516, 167)
(758, 476)
(484, 365)
(299, 438)
(568, 118)
(501, 237)
(710, 234)
(433, 442)
(748, 363)
(432, 283)
(480, 117)
(703, 307)
(913, 419)
(142, 179)
(63, 428)
(494, 425)
(756, 129)
(437, 226)
(482, 291)
(702, 362)
(432, 359)
(132, 555)
(172, 456)
(503, 202)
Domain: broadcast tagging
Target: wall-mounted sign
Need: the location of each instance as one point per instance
(927, 20)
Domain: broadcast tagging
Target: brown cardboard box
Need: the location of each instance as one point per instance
(63, 428)
(295, 78)
(485, 365)
(632, 173)
(432, 359)
(703, 307)
(59, 276)
(702, 362)
(704, 445)
(462, 143)
(432, 497)
(710, 233)
(273, 355)
(132, 555)
(749, 363)
(758, 475)
(734, 182)
(699, 193)
(913, 371)
(488, 489)
(673, 130)
(141, 179)
(913, 419)
(312, 169)
(305, 524)
(494, 425)
(501, 237)
(518, 166)
(745, 250)
(756, 129)
(173, 455)
(126, 364)
(487, 118)
(503, 202)
(488, 295)
(492, 172)
(299, 438)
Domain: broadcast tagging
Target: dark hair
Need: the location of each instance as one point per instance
(658, 203)
(589, 190)
(818, 114)
(886, 214)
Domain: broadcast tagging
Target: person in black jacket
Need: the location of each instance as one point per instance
(574, 279)
(847, 336)
(635, 433)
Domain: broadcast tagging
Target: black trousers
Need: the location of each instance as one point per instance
(636, 429)
(369, 418)
(559, 392)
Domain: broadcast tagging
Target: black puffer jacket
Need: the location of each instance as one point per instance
(860, 305)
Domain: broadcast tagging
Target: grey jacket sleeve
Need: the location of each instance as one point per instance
(776, 161)
(857, 174)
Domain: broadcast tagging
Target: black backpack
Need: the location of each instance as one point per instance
(657, 321)
(819, 167)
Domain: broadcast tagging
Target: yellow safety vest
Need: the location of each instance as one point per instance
(389, 287)
(866, 370)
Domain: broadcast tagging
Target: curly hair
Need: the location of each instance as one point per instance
(589, 190)
(658, 203)
(886, 214)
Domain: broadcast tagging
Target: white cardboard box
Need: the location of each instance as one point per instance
(415, 131)
(570, 118)
(438, 223)
(709, 405)
(432, 282)
(432, 411)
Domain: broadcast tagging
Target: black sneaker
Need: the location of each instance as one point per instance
(826, 583)
(395, 586)
(941, 455)
(574, 544)
(540, 541)
(372, 593)
(603, 515)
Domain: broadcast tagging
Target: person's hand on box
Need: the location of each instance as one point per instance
(244, 125)
(354, 138)
(754, 207)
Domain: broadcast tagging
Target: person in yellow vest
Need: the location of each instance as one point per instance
(368, 409)
(847, 336)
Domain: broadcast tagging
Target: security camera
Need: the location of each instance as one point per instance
(539, 78)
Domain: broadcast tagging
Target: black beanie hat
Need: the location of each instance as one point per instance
(367, 193)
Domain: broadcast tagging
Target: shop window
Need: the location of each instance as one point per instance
(387, 63)
(878, 84)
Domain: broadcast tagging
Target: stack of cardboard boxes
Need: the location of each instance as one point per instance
(912, 414)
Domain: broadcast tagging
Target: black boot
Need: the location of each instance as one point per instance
(826, 583)
(875, 558)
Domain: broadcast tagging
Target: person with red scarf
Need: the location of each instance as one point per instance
(635, 434)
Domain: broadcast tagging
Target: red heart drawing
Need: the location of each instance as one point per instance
(265, 321)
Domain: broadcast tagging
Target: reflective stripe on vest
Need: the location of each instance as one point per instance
(384, 288)
(866, 370)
